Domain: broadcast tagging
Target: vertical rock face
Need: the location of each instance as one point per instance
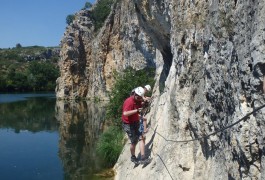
(209, 57)
(88, 59)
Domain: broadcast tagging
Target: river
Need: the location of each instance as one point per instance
(41, 138)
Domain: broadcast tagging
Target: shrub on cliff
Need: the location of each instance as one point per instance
(124, 84)
(70, 18)
(110, 143)
(101, 12)
(87, 5)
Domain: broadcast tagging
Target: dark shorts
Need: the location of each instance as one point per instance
(132, 131)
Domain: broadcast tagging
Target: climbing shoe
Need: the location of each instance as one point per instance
(134, 159)
(145, 161)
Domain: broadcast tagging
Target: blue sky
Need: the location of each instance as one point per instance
(35, 22)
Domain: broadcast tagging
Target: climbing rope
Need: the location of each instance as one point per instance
(161, 159)
(207, 136)
(203, 137)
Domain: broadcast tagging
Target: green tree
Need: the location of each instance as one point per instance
(110, 142)
(88, 5)
(20, 81)
(70, 18)
(101, 12)
(124, 84)
(42, 76)
(10, 85)
(18, 45)
(15, 73)
(2, 83)
(16, 81)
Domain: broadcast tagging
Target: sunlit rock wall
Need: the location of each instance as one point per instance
(209, 59)
(89, 58)
(213, 64)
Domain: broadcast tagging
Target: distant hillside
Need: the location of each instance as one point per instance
(32, 68)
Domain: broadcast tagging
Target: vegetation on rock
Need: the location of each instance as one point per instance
(31, 68)
(111, 141)
(101, 12)
(70, 18)
(124, 84)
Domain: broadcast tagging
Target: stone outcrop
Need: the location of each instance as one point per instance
(88, 58)
(209, 59)
(48, 54)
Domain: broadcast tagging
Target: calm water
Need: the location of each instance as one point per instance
(45, 139)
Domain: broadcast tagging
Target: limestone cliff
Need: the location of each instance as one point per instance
(89, 58)
(209, 59)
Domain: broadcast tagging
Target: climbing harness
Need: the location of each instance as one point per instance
(141, 126)
(145, 110)
(147, 106)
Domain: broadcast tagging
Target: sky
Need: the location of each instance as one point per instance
(35, 22)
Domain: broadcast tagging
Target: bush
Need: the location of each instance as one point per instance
(42, 76)
(18, 45)
(70, 18)
(88, 5)
(124, 84)
(110, 145)
(101, 12)
(20, 71)
(110, 142)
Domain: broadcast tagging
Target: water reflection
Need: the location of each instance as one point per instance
(48, 138)
(35, 114)
(29, 138)
(80, 127)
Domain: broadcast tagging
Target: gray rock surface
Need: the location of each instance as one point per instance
(209, 59)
